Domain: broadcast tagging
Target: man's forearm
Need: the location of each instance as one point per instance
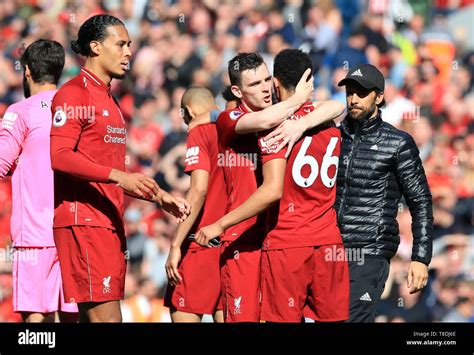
(323, 112)
(270, 117)
(67, 161)
(422, 229)
(196, 200)
(259, 201)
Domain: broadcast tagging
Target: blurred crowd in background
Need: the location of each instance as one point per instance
(425, 48)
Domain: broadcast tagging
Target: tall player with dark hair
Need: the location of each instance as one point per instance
(88, 139)
(24, 135)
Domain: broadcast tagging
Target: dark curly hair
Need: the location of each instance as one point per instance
(289, 67)
(94, 29)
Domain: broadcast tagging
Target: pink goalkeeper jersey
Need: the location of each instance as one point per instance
(24, 134)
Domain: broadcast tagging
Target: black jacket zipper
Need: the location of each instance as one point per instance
(346, 175)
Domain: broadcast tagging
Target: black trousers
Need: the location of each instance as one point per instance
(367, 282)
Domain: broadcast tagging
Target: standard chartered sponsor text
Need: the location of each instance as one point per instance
(112, 132)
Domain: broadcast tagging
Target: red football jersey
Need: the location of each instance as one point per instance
(85, 110)
(202, 154)
(305, 215)
(239, 156)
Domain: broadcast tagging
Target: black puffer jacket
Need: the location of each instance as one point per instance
(378, 164)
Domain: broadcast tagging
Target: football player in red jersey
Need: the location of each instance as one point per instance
(304, 271)
(88, 138)
(293, 243)
(240, 260)
(192, 294)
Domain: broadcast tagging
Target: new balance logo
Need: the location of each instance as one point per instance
(357, 73)
(374, 147)
(365, 297)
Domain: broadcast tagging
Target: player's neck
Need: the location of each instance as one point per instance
(94, 67)
(201, 110)
(248, 107)
(284, 94)
(37, 88)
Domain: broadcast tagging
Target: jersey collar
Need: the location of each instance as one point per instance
(91, 78)
(242, 108)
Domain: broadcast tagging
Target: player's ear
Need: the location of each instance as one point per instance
(27, 71)
(276, 87)
(276, 82)
(236, 91)
(189, 111)
(95, 47)
(379, 98)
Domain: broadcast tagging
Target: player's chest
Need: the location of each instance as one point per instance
(106, 124)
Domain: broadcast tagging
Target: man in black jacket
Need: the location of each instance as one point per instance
(378, 164)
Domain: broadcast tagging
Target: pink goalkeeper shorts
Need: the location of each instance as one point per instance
(37, 285)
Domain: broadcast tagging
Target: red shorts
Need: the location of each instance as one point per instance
(240, 279)
(93, 263)
(305, 282)
(200, 289)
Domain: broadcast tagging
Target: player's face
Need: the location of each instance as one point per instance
(256, 88)
(361, 102)
(115, 52)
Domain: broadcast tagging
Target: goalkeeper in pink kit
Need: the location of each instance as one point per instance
(24, 137)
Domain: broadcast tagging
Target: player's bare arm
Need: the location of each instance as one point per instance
(136, 184)
(290, 131)
(177, 206)
(266, 195)
(196, 197)
(271, 116)
(276, 114)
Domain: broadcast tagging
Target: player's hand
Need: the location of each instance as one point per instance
(305, 88)
(204, 235)
(287, 133)
(136, 183)
(177, 206)
(417, 276)
(198, 120)
(171, 267)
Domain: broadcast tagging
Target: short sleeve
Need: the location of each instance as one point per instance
(267, 152)
(198, 152)
(226, 123)
(69, 112)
